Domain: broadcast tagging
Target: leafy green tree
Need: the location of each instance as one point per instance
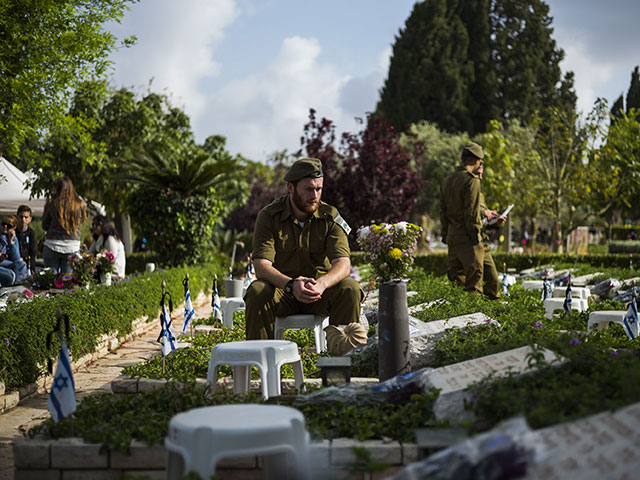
(48, 48)
(633, 94)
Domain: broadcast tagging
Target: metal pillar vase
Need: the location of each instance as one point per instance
(393, 330)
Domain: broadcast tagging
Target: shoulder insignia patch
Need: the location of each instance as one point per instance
(344, 225)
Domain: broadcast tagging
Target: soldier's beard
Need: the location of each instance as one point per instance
(302, 206)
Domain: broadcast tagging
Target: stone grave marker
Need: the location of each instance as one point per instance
(583, 280)
(454, 380)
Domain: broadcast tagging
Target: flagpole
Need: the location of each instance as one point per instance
(186, 279)
(163, 285)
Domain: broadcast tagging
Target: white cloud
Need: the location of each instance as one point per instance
(266, 111)
(176, 43)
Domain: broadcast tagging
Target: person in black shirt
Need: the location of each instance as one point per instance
(26, 237)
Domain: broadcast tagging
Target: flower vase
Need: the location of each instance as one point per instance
(393, 330)
(105, 278)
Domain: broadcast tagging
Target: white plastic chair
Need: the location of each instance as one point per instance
(532, 284)
(229, 306)
(198, 439)
(576, 292)
(553, 304)
(603, 318)
(317, 322)
(267, 355)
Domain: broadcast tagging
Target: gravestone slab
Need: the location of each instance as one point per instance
(425, 335)
(593, 448)
(454, 380)
(583, 280)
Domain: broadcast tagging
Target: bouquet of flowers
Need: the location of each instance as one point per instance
(391, 248)
(83, 266)
(104, 262)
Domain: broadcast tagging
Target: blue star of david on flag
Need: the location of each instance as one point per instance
(567, 299)
(630, 321)
(62, 398)
(189, 312)
(167, 337)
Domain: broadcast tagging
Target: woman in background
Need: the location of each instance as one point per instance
(106, 238)
(64, 214)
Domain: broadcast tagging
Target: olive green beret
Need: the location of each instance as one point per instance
(304, 168)
(474, 149)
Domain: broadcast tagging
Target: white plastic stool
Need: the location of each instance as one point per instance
(553, 304)
(229, 306)
(576, 292)
(603, 318)
(317, 322)
(267, 355)
(198, 439)
(533, 284)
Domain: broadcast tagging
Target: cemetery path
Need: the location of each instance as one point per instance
(92, 378)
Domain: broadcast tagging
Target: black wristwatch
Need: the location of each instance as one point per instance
(288, 288)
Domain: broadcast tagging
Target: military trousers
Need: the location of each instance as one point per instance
(264, 302)
(492, 285)
(466, 263)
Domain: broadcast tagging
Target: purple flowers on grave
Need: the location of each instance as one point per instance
(574, 341)
(6, 340)
(537, 325)
(614, 354)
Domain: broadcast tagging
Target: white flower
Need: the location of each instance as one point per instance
(401, 227)
(364, 232)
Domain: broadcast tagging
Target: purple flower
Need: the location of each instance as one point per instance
(488, 320)
(574, 341)
(537, 325)
(6, 340)
(131, 306)
(614, 354)
(73, 327)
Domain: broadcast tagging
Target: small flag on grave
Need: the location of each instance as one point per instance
(189, 312)
(546, 289)
(567, 299)
(505, 285)
(62, 398)
(630, 321)
(215, 301)
(167, 337)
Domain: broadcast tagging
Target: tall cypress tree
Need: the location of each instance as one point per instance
(633, 95)
(617, 109)
(429, 70)
(459, 64)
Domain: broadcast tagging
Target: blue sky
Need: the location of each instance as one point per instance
(251, 69)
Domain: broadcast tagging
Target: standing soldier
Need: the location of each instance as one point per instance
(461, 219)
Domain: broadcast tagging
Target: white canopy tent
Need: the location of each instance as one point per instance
(13, 192)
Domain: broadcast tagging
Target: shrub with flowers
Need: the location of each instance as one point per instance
(83, 266)
(104, 262)
(46, 279)
(391, 248)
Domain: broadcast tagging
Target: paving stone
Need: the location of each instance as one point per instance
(125, 385)
(38, 475)
(142, 456)
(74, 453)
(32, 454)
(11, 399)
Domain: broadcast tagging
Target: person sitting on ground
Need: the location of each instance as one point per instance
(301, 257)
(26, 237)
(64, 214)
(106, 238)
(12, 268)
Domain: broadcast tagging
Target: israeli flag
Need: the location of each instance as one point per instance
(567, 299)
(630, 321)
(217, 309)
(167, 337)
(189, 312)
(62, 398)
(505, 285)
(546, 290)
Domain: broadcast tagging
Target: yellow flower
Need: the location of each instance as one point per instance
(395, 253)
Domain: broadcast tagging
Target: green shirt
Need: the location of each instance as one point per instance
(299, 250)
(460, 213)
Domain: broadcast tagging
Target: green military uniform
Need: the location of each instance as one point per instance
(461, 221)
(491, 286)
(297, 249)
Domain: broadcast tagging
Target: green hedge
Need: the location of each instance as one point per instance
(624, 246)
(92, 313)
(622, 232)
(436, 263)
